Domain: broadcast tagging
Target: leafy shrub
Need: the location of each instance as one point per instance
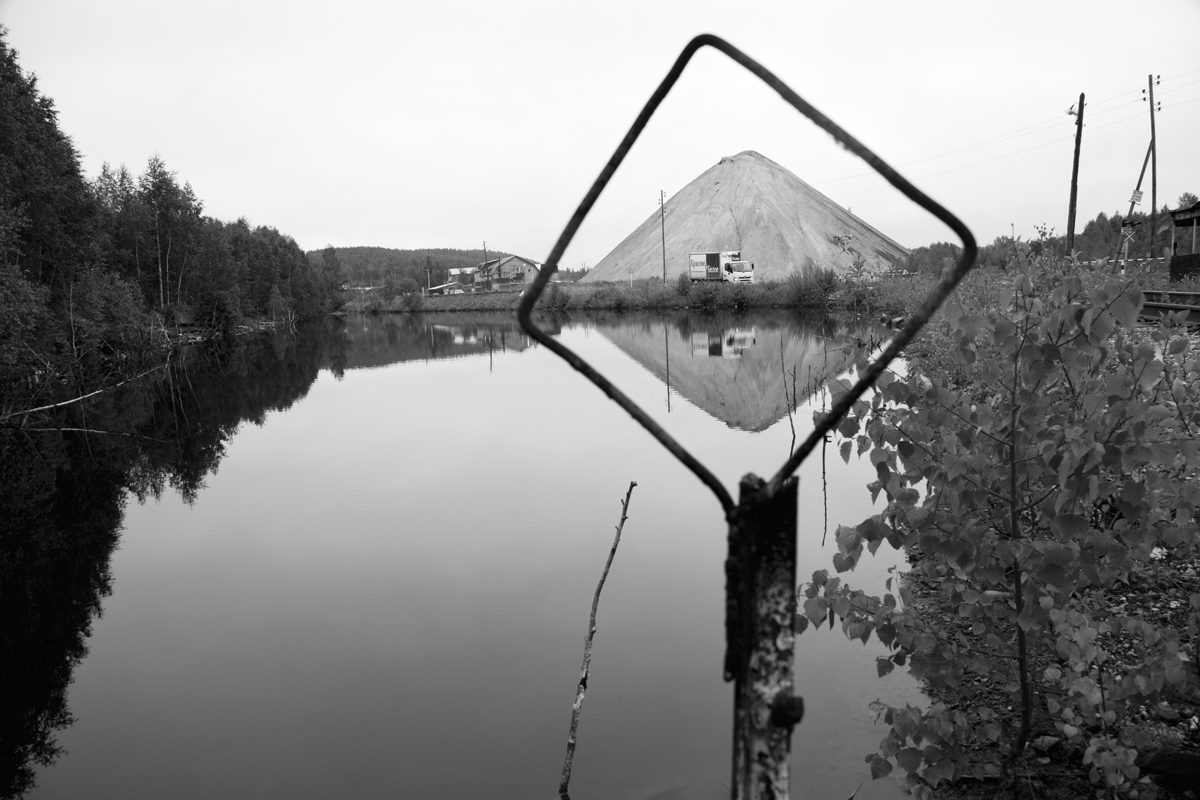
(412, 301)
(810, 288)
(1050, 475)
(555, 298)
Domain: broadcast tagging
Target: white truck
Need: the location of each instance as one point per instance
(726, 265)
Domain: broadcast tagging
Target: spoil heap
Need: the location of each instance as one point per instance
(748, 202)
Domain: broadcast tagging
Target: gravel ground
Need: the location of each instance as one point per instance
(1048, 768)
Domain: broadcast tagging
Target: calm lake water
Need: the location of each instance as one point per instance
(359, 561)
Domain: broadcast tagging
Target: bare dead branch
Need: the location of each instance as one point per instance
(29, 411)
(587, 652)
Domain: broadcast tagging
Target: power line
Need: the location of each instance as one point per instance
(1177, 88)
(1006, 155)
(1018, 133)
(1183, 75)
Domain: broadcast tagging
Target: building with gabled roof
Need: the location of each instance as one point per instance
(510, 271)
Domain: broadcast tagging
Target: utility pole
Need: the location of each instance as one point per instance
(1141, 175)
(1134, 199)
(1153, 171)
(662, 218)
(1075, 176)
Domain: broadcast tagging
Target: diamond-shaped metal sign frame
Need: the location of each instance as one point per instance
(914, 324)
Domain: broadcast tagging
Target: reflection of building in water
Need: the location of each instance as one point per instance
(736, 371)
(726, 343)
(425, 337)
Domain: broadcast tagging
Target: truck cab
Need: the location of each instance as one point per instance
(739, 272)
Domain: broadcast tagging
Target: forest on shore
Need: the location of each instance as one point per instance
(94, 271)
(1099, 238)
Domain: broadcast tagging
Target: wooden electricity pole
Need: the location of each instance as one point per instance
(1153, 171)
(1133, 200)
(662, 218)
(1075, 177)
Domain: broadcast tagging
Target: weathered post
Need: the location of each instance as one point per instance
(760, 604)
(1075, 178)
(1133, 200)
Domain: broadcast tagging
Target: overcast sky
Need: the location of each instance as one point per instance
(450, 122)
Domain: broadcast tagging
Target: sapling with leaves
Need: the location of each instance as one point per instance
(1064, 455)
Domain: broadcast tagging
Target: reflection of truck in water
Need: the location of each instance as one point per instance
(729, 343)
(726, 265)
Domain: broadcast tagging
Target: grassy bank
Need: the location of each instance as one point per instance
(889, 296)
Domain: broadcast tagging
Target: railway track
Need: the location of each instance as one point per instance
(1159, 303)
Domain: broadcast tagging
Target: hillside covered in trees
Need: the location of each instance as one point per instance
(379, 266)
(1099, 238)
(92, 270)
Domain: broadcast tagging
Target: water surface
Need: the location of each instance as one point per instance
(367, 553)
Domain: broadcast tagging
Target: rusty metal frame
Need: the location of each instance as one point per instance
(839, 409)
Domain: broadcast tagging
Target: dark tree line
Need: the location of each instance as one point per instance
(1100, 238)
(91, 271)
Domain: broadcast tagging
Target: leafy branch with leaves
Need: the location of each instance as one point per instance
(1058, 466)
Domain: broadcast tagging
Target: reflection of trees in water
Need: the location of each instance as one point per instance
(379, 341)
(62, 496)
(54, 556)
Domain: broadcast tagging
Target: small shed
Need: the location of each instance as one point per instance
(464, 275)
(1186, 217)
(1183, 219)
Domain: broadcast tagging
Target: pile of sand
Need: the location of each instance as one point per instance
(748, 202)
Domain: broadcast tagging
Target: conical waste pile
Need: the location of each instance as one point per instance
(749, 203)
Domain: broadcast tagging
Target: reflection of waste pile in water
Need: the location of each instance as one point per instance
(732, 368)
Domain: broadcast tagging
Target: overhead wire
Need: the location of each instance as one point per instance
(601, 228)
(1016, 152)
(1028, 130)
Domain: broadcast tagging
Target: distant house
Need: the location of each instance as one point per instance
(506, 274)
(465, 276)
(454, 287)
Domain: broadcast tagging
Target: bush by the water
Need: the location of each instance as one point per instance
(1043, 456)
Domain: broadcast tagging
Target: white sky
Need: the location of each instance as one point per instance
(444, 123)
